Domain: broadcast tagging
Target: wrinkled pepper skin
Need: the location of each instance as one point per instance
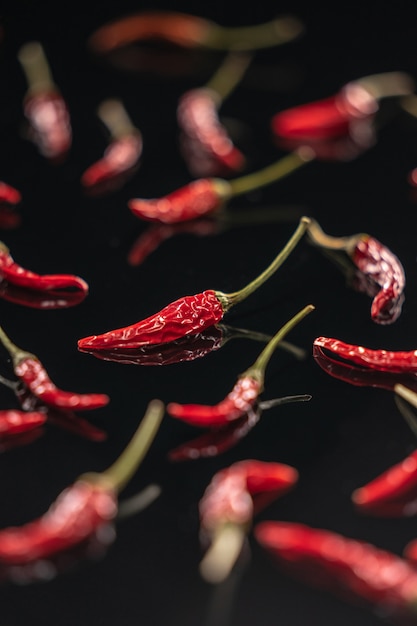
(50, 124)
(185, 316)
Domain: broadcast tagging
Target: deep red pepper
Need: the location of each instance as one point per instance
(204, 196)
(31, 372)
(187, 315)
(244, 394)
(351, 567)
(376, 262)
(13, 422)
(43, 300)
(8, 194)
(14, 274)
(84, 508)
(190, 31)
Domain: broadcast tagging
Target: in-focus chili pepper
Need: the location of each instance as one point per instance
(376, 262)
(205, 143)
(14, 274)
(244, 394)
(8, 194)
(205, 196)
(341, 126)
(353, 568)
(233, 497)
(13, 422)
(84, 508)
(187, 315)
(44, 106)
(220, 439)
(123, 153)
(190, 31)
(31, 372)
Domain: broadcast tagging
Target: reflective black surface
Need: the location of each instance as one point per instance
(338, 441)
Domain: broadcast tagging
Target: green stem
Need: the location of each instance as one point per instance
(406, 394)
(271, 173)
(243, 333)
(321, 239)
(258, 368)
(273, 33)
(16, 353)
(228, 75)
(270, 404)
(36, 68)
(230, 299)
(114, 115)
(119, 474)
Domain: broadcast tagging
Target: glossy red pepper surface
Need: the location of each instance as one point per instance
(50, 122)
(347, 565)
(14, 422)
(198, 198)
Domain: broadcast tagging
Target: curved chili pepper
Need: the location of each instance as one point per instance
(17, 275)
(244, 394)
(31, 372)
(14, 422)
(123, 152)
(190, 31)
(44, 300)
(44, 106)
(346, 565)
(376, 262)
(187, 315)
(204, 196)
(84, 508)
(8, 194)
(228, 505)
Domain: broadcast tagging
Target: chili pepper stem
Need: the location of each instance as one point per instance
(224, 550)
(230, 299)
(243, 333)
(270, 404)
(16, 353)
(274, 32)
(387, 84)
(408, 415)
(257, 370)
(36, 68)
(271, 173)
(229, 74)
(114, 115)
(407, 394)
(119, 474)
(321, 239)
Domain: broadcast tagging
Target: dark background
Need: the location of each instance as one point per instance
(340, 440)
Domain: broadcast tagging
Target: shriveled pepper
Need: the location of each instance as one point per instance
(228, 505)
(244, 394)
(84, 508)
(187, 315)
(376, 262)
(190, 31)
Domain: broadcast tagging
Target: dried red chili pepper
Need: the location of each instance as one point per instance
(44, 106)
(354, 568)
(244, 394)
(190, 31)
(84, 508)
(8, 194)
(187, 315)
(218, 440)
(123, 153)
(376, 262)
(228, 505)
(31, 372)
(205, 196)
(13, 422)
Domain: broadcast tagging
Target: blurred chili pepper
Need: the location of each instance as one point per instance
(14, 274)
(189, 31)
(220, 439)
(17, 441)
(13, 422)
(121, 156)
(9, 218)
(356, 569)
(187, 315)
(205, 143)
(84, 508)
(341, 126)
(205, 196)
(8, 194)
(44, 300)
(44, 105)
(31, 372)
(376, 262)
(244, 394)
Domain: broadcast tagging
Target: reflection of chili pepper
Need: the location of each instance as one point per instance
(44, 300)
(14, 422)
(220, 439)
(31, 372)
(8, 194)
(227, 507)
(84, 508)
(187, 315)
(346, 565)
(44, 106)
(189, 31)
(123, 152)
(376, 262)
(244, 394)
(17, 275)
(207, 195)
